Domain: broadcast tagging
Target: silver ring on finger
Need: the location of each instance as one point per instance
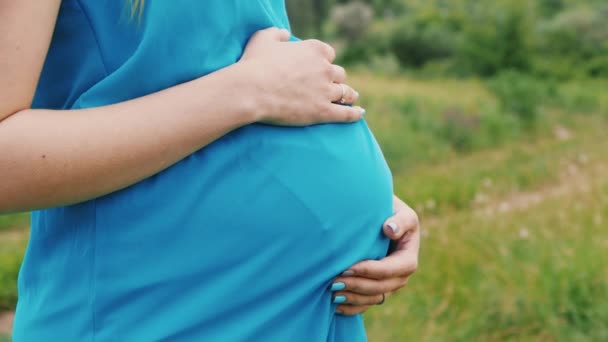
(382, 301)
(342, 98)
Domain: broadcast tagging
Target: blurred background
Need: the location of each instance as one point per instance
(493, 117)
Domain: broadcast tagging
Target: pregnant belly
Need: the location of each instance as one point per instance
(253, 227)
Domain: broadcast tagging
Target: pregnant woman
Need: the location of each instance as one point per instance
(195, 186)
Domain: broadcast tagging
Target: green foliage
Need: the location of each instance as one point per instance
(416, 43)
(13, 221)
(519, 94)
(576, 41)
(9, 269)
(548, 8)
(495, 38)
(550, 39)
(352, 20)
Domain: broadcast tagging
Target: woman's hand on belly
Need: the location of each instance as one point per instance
(296, 82)
(370, 282)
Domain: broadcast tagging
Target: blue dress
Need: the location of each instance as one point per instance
(236, 242)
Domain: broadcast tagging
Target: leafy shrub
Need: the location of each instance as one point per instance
(518, 94)
(574, 43)
(549, 8)
(352, 19)
(496, 38)
(459, 129)
(415, 42)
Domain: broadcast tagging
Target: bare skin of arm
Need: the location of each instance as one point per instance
(58, 157)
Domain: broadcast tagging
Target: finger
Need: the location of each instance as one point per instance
(273, 34)
(344, 94)
(340, 113)
(367, 286)
(350, 310)
(405, 221)
(401, 263)
(323, 48)
(351, 298)
(339, 74)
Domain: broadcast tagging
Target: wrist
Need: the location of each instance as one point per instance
(252, 91)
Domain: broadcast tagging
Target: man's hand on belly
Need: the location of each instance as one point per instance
(370, 282)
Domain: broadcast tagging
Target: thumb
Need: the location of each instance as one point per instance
(392, 230)
(405, 221)
(274, 34)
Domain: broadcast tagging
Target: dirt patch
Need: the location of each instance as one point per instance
(6, 322)
(574, 179)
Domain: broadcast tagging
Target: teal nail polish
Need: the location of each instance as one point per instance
(339, 299)
(338, 286)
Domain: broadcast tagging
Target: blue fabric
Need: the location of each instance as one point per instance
(238, 241)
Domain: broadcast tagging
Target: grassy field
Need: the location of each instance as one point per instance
(515, 216)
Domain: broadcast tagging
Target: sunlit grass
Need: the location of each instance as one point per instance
(12, 246)
(529, 270)
(14, 221)
(514, 231)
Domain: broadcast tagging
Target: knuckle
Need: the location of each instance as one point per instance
(402, 282)
(413, 267)
(352, 96)
(324, 109)
(323, 48)
(412, 221)
(415, 218)
(315, 44)
(391, 273)
(328, 70)
(330, 51)
(353, 285)
(351, 115)
(364, 269)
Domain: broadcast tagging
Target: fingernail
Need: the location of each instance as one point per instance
(338, 286)
(340, 312)
(394, 227)
(363, 111)
(348, 273)
(356, 94)
(339, 299)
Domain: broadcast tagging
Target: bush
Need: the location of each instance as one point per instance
(352, 20)
(459, 129)
(496, 38)
(518, 94)
(423, 36)
(573, 44)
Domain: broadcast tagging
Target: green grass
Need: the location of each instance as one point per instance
(12, 246)
(534, 272)
(14, 221)
(514, 228)
(515, 216)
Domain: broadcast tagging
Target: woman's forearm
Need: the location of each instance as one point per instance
(58, 157)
